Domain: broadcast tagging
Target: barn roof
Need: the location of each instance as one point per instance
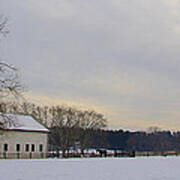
(21, 123)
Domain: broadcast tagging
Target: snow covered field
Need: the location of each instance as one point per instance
(150, 168)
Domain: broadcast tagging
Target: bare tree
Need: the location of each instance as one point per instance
(63, 124)
(69, 125)
(9, 79)
(10, 85)
(89, 120)
(153, 129)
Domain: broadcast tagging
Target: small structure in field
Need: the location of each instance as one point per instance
(21, 136)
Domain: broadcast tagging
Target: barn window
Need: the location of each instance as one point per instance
(40, 147)
(32, 147)
(5, 147)
(18, 147)
(27, 147)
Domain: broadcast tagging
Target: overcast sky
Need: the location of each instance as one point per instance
(118, 57)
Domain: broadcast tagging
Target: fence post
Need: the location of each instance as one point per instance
(30, 155)
(4, 155)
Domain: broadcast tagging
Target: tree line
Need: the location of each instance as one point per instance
(157, 141)
(73, 128)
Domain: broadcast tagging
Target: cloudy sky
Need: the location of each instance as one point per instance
(118, 57)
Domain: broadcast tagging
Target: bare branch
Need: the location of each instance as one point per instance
(9, 81)
(3, 21)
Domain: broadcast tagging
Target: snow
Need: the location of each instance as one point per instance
(23, 122)
(156, 168)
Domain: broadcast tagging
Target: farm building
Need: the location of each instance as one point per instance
(21, 136)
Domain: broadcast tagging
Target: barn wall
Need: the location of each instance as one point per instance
(12, 138)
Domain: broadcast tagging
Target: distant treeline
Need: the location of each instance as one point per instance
(135, 141)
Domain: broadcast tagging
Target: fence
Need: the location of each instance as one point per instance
(54, 154)
(30, 155)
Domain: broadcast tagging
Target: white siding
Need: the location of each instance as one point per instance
(18, 137)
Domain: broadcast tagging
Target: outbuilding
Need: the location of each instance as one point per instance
(21, 136)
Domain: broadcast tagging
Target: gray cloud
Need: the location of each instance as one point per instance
(115, 54)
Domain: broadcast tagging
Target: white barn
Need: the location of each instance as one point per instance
(22, 137)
